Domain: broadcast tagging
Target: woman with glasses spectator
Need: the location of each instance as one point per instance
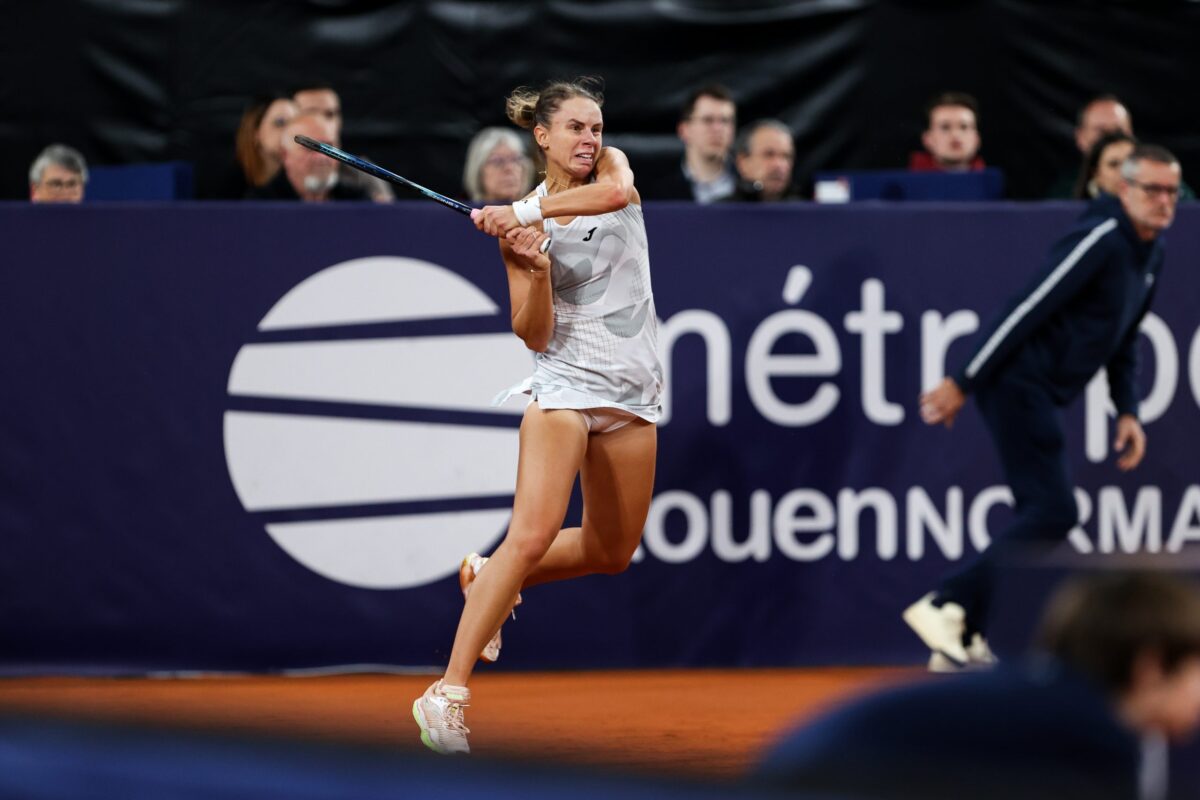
(497, 169)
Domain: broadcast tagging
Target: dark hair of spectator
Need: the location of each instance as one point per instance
(713, 90)
(951, 99)
(1091, 162)
(1100, 625)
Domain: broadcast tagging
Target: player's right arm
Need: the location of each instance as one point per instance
(530, 294)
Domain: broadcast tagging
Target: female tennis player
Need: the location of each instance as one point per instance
(586, 310)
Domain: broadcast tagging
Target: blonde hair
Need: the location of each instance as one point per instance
(528, 107)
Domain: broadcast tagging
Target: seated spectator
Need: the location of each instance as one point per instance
(322, 100)
(498, 168)
(259, 138)
(1101, 115)
(951, 137)
(307, 175)
(707, 124)
(1116, 678)
(1101, 171)
(58, 175)
(765, 156)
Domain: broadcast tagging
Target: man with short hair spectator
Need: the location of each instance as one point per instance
(706, 127)
(951, 137)
(765, 157)
(1103, 114)
(307, 175)
(58, 175)
(322, 100)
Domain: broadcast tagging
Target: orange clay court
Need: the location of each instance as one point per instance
(647, 721)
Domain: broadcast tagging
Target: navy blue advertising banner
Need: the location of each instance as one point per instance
(262, 438)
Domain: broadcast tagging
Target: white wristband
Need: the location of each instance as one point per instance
(528, 211)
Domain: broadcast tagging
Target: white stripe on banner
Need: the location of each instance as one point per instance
(1041, 291)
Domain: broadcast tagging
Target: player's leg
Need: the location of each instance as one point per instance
(552, 446)
(617, 478)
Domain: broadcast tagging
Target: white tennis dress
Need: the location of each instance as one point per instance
(604, 352)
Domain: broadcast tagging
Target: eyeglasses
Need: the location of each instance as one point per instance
(61, 184)
(1156, 189)
(500, 162)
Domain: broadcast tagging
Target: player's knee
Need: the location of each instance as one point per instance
(615, 561)
(528, 548)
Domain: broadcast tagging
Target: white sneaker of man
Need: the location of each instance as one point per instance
(941, 628)
(979, 657)
(467, 572)
(439, 712)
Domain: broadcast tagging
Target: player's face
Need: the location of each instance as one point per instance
(1150, 198)
(1108, 168)
(709, 130)
(952, 137)
(573, 141)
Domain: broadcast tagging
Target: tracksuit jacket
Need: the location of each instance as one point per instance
(1081, 312)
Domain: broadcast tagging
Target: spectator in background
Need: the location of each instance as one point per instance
(321, 100)
(307, 175)
(1101, 115)
(1101, 171)
(259, 139)
(1116, 676)
(706, 127)
(58, 175)
(765, 157)
(498, 168)
(951, 137)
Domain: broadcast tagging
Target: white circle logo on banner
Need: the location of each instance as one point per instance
(297, 462)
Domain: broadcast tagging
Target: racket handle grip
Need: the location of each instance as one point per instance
(545, 248)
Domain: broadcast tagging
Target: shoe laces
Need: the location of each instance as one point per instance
(455, 721)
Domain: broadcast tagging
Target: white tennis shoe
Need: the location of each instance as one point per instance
(439, 712)
(979, 657)
(466, 576)
(941, 628)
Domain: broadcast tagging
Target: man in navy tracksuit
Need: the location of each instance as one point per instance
(1081, 312)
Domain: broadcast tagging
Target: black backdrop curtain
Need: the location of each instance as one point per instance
(152, 80)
